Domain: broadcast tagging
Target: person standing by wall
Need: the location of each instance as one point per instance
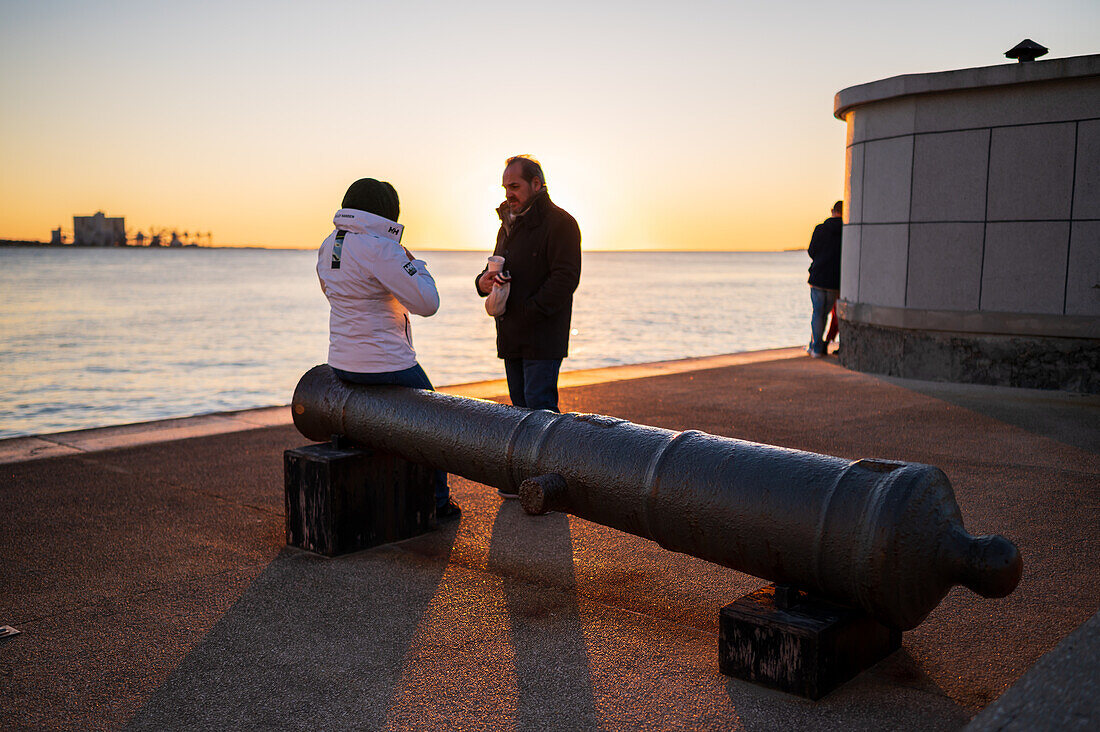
(372, 284)
(541, 246)
(824, 278)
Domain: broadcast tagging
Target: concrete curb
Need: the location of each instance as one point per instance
(1061, 691)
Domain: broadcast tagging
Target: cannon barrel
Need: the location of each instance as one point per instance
(883, 536)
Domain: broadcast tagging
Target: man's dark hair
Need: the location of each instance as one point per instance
(838, 208)
(529, 168)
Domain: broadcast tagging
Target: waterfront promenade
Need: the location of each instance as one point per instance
(147, 571)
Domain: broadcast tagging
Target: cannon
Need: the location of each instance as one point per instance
(883, 536)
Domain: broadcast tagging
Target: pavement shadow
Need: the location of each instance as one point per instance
(1070, 418)
(313, 643)
(535, 555)
(879, 698)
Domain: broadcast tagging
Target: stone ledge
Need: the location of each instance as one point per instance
(973, 322)
(961, 79)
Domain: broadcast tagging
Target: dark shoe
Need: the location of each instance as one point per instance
(505, 493)
(450, 512)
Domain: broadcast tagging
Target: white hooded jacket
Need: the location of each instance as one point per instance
(372, 286)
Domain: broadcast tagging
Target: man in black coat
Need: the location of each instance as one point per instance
(824, 279)
(541, 246)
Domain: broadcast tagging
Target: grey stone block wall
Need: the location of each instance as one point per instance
(1033, 362)
(972, 225)
(977, 198)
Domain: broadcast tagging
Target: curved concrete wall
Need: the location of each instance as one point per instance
(973, 207)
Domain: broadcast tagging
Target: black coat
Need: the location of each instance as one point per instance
(825, 254)
(542, 253)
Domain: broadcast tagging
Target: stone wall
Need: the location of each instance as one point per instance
(971, 245)
(982, 199)
(1035, 362)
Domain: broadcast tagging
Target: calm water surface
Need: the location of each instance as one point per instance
(91, 338)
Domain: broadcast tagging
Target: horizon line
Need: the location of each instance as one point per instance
(28, 243)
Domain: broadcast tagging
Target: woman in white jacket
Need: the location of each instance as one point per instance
(372, 284)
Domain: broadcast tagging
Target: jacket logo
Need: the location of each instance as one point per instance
(410, 268)
(394, 230)
(337, 248)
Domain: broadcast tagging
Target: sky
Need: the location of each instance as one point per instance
(692, 125)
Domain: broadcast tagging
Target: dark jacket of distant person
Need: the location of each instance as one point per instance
(824, 254)
(542, 253)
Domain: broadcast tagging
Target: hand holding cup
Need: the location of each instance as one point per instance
(493, 274)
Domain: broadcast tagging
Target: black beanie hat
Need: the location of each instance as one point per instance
(372, 196)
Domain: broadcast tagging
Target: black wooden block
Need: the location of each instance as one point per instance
(807, 648)
(343, 499)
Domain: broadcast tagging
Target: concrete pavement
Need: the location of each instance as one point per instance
(153, 588)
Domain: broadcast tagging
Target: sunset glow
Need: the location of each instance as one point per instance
(701, 125)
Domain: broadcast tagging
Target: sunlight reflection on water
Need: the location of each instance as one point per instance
(98, 337)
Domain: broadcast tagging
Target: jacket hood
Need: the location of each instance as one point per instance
(361, 222)
(373, 196)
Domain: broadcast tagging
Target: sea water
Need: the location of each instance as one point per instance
(97, 337)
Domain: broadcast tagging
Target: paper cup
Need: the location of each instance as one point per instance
(496, 264)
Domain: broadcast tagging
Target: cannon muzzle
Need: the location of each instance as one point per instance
(883, 536)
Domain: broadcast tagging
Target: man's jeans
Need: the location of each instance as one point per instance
(533, 382)
(822, 301)
(413, 378)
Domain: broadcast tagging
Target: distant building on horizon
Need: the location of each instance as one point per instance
(99, 230)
